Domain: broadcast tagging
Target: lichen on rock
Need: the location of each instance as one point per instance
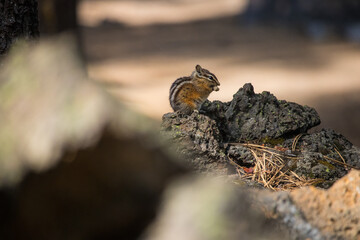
(251, 116)
(198, 139)
(325, 155)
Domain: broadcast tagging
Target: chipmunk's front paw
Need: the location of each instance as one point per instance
(199, 111)
(202, 112)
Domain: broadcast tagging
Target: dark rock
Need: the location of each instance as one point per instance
(208, 139)
(251, 116)
(198, 139)
(241, 155)
(322, 155)
(323, 141)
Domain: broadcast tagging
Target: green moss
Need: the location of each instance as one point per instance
(328, 165)
(218, 106)
(273, 141)
(261, 113)
(318, 182)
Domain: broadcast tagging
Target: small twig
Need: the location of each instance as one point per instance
(251, 145)
(276, 172)
(270, 168)
(337, 151)
(341, 163)
(296, 139)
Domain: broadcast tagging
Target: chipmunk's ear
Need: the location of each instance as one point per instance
(198, 69)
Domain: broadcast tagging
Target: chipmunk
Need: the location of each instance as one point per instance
(189, 93)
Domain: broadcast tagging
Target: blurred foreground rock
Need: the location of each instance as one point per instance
(206, 208)
(47, 106)
(203, 208)
(74, 163)
(311, 213)
(335, 212)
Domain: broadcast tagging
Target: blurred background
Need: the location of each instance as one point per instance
(302, 51)
(88, 168)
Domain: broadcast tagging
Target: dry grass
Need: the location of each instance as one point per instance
(272, 169)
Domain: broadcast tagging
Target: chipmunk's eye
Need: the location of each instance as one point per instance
(211, 78)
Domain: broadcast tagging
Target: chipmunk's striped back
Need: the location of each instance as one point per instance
(189, 93)
(175, 87)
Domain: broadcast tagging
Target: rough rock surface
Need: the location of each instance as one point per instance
(203, 137)
(242, 155)
(280, 206)
(336, 211)
(197, 139)
(322, 154)
(251, 116)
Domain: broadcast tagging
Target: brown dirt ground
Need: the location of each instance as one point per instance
(138, 48)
